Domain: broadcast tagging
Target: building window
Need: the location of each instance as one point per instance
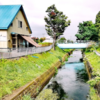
(26, 28)
(11, 24)
(20, 24)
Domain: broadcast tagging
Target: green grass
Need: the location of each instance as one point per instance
(95, 63)
(93, 94)
(26, 97)
(16, 73)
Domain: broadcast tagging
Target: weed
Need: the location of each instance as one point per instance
(16, 73)
(66, 59)
(95, 62)
(26, 97)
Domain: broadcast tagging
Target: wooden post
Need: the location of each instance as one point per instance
(16, 41)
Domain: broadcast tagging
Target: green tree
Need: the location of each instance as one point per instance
(70, 41)
(42, 39)
(37, 40)
(62, 40)
(97, 24)
(87, 31)
(55, 23)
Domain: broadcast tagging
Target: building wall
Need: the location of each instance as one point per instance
(16, 29)
(3, 38)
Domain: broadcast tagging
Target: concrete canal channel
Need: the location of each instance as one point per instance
(70, 81)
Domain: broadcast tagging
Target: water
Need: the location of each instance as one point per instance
(70, 82)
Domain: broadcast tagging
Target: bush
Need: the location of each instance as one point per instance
(45, 44)
(47, 94)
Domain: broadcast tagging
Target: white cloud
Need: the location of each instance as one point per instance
(76, 10)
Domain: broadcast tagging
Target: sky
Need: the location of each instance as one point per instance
(76, 10)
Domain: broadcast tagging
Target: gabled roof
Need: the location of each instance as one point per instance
(8, 13)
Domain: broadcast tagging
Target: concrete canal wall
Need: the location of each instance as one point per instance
(88, 68)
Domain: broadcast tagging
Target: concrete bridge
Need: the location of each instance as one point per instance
(72, 45)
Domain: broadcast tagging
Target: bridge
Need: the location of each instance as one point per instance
(72, 45)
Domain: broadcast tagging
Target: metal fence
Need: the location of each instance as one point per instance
(9, 53)
(68, 42)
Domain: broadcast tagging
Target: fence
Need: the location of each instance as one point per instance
(68, 42)
(9, 53)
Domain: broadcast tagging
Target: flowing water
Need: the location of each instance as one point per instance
(70, 81)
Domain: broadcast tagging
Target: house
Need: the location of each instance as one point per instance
(15, 30)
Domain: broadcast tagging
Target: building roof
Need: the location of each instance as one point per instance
(8, 13)
(31, 41)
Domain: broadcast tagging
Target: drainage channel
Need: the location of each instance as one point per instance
(70, 81)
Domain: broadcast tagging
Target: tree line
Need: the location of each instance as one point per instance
(89, 30)
(56, 23)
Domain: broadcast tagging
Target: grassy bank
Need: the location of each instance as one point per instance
(95, 63)
(16, 73)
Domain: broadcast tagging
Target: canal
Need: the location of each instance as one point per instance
(70, 81)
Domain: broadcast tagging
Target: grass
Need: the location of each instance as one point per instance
(26, 97)
(16, 73)
(93, 94)
(47, 94)
(95, 63)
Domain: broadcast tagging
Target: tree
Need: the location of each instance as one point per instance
(87, 31)
(62, 40)
(55, 23)
(70, 41)
(97, 24)
(42, 39)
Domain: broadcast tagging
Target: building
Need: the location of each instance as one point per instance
(48, 39)
(15, 30)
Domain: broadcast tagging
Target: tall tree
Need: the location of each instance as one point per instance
(55, 23)
(97, 24)
(87, 31)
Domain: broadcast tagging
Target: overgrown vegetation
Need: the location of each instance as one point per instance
(45, 44)
(56, 71)
(95, 62)
(16, 73)
(26, 97)
(93, 94)
(47, 94)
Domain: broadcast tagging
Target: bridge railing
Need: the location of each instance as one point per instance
(73, 42)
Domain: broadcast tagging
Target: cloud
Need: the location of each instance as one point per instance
(76, 10)
(0, 3)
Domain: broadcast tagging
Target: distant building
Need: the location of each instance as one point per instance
(48, 39)
(15, 30)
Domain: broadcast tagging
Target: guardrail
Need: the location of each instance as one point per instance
(10, 53)
(73, 42)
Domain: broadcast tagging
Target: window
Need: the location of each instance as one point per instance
(26, 28)
(11, 24)
(20, 24)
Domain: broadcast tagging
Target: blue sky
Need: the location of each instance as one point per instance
(76, 10)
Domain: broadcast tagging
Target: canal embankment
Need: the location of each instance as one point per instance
(15, 74)
(70, 83)
(92, 63)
